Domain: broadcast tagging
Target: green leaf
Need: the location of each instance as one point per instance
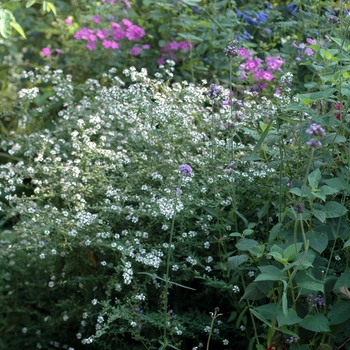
(268, 310)
(291, 252)
(314, 178)
(312, 286)
(337, 183)
(30, 3)
(334, 210)
(18, 28)
(5, 26)
(235, 261)
(319, 214)
(246, 244)
(343, 280)
(315, 323)
(340, 313)
(318, 241)
(270, 273)
(275, 231)
(51, 7)
(260, 317)
(252, 292)
(326, 54)
(316, 96)
(289, 319)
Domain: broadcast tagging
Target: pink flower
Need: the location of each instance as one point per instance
(108, 44)
(118, 34)
(160, 61)
(266, 75)
(91, 45)
(274, 63)
(96, 19)
(243, 52)
(278, 92)
(83, 33)
(184, 45)
(135, 33)
(102, 33)
(251, 64)
(309, 51)
(69, 21)
(135, 51)
(115, 26)
(146, 47)
(127, 3)
(311, 41)
(126, 22)
(46, 51)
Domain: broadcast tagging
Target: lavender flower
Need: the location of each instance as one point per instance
(231, 49)
(316, 130)
(314, 143)
(214, 91)
(186, 169)
(318, 301)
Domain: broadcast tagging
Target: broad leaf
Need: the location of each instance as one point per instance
(270, 273)
(237, 260)
(290, 319)
(334, 209)
(340, 312)
(318, 241)
(343, 280)
(246, 244)
(314, 178)
(252, 292)
(315, 323)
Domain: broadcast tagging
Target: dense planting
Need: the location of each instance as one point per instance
(182, 192)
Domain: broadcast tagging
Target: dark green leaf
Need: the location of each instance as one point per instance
(290, 319)
(246, 244)
(315, 323)
(318, 241)
(340, 312)
(235, 261)
(252, 292)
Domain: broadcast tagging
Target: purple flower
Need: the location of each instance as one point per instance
(214, 91)
(314, 143)
(318, 301)
(178, 191)
(316, 130)
(186, 169)
(46, 51)
(310, 41)
(309, 51)
(231, 49)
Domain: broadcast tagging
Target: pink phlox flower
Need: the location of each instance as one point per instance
(127, 3)
(96, 19)
(278, 92)
(118, 34)
(46, 51)
(83, 33)
(108, 44)
(102, 33)
(184, 45)
(251, 64)
(161, 61)
(135, 33)
(92, 37)
(309, 51)
(172, 46)
(243, 52)
(266, 75)
(311, 41)
(69, 21)
(115, 26)
(127, 23)
(274, 63)
(91, 45)
(135, 51)
(146, 47)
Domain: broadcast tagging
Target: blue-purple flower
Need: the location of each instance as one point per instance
(214, 91)
(316, 130)
(186, 169)
(314, 143)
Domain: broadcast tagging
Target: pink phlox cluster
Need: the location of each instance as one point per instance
(168, 51)
(255, 67)
(108, 44)
(303, 50)
(117, 31)
(274, 62)
(136, 50)
(96, 19)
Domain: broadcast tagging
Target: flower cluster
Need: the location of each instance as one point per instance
(109, 38)
(169, 50)
(317, 131)
(317, 302)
